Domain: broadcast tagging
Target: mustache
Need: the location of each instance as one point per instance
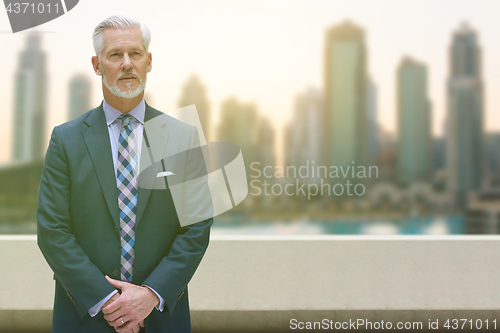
(129, 72)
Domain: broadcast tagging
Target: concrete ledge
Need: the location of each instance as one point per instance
(260, 283)
(24, 321)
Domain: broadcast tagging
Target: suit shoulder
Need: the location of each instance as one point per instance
(75, 124)
(175, 124)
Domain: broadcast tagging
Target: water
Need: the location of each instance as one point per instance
(241, 225)
(450, 225)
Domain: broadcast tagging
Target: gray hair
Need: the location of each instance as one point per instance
(118, 21)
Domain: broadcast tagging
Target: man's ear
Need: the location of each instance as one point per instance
(96, 65)
(150, 62)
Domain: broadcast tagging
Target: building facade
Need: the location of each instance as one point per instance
(30, 97)
(414, 123)
(345, 83)
(79, 96)
(465, 159)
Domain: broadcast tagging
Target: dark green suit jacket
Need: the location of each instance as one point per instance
(78, 223)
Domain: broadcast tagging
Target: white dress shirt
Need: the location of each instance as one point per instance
(114, 129)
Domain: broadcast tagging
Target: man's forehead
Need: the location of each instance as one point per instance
(116, 37)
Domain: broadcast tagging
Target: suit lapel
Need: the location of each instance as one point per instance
(156, 133)
(96, 138)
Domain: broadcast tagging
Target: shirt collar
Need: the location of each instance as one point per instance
(112, 114)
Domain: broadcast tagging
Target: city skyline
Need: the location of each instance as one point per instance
(195, 92)
(280, 114)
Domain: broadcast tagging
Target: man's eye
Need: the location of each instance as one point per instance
(114, 54)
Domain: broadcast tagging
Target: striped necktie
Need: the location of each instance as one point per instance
(126, 181)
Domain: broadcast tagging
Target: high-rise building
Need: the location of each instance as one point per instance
(373, 137)
(345, 82)
(30, 94)
(79, 96)
(414, 123)
(387, 160)
(465, 154)
(438, 154)
(303, 142)
(265, 143)
(492, 156)
(194, 92)
(238, 124)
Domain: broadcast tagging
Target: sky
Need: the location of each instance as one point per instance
(260, 51)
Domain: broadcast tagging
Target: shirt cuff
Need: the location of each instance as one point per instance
(160, 306)
(97, 308)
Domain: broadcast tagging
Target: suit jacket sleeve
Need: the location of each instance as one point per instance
(171, 276)
(81, 279)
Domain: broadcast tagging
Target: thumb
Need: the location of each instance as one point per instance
(115, 283)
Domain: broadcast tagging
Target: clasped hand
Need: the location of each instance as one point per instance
(126, 311)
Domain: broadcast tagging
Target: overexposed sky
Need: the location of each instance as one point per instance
(260, 51)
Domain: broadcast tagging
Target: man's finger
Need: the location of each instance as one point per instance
(120, 313)
(111, 300)
(112, 307)
(116, 283)
(141, 323)
(128, 327)
(137, 328)
(118, 322)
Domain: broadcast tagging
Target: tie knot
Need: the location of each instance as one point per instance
(125, 119)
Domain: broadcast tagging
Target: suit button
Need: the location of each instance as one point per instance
(116, 229)
(116, 273)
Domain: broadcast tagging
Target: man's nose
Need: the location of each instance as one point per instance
(127, 64)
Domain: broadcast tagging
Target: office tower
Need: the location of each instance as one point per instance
(465, 159)
(265, 143)
(30, 94)
(238, 125)
(414, 123)
(79, 96)
(373, 137)
(438, 154)
(492, 156)
(194, 92)
(387, 160)
(345, 84)
(303, 142)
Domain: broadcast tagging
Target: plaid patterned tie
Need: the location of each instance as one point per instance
(126, 182)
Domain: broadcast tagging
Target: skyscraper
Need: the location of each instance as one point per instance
(194, 92)
(414, 123)
(79, 96)
(465, 159)
(239, 124)
(373, 137)
(30, 93)
(265, 143)
(345, 76)
(492, 158)
(303, 142)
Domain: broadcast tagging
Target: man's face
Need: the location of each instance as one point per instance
(124, 62)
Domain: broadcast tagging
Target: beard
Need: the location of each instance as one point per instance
(128, 93)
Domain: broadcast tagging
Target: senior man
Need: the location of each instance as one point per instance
(121, 256)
